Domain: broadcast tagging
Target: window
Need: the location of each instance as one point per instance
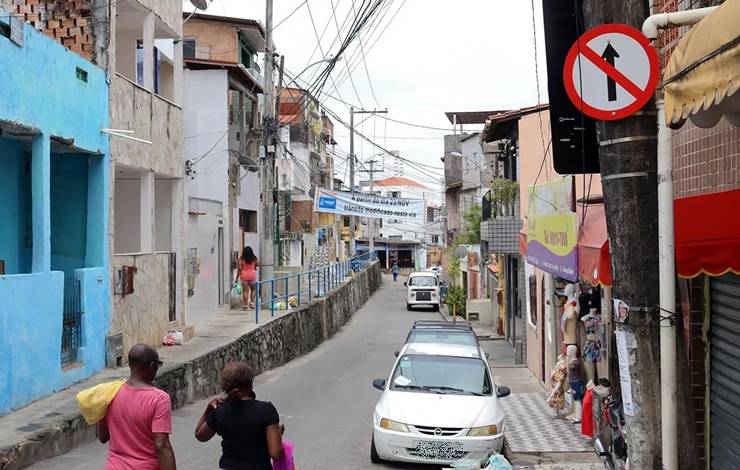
(533, 299)
(435, 238)
(429, 374)
(248, 220)
(246, 54)
(423, 281)
(188, 48)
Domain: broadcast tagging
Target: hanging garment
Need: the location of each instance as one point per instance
(587, 418)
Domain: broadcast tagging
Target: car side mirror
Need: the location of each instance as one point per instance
(405, 284)
(488, 356)
(379, 384)
(396, 353)
(501, 391)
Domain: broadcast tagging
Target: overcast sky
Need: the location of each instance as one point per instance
(435, 56)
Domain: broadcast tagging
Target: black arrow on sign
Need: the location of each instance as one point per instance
(609, 55)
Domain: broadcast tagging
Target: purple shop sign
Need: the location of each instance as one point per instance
(565, 267)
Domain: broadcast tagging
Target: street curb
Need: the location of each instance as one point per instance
(266, 347)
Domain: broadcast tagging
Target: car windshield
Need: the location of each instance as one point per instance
(442, 336)
(441, 374)
(423, 281)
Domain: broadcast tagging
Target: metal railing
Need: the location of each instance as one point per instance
(306, 285)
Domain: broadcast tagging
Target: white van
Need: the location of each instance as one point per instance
(422, 288)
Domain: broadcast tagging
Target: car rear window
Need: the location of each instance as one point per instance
(446, 337)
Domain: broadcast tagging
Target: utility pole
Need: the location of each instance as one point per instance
(279, 254)
(267, 246)
(628, 159)
(371, 221)
(353, 220)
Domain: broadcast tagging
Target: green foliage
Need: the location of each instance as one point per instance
(504, 194)
(456, 297)
(453, 269)
(471, 231)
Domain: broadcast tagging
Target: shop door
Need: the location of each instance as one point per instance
(724, 401)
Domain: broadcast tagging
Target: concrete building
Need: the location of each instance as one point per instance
(137, 43)
(467, 169)
(305, 161)
(54, 188)
(221, 118)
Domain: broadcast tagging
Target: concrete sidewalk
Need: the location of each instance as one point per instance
(53, 425)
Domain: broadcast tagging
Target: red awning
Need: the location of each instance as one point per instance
(594, 259)
(707, 234)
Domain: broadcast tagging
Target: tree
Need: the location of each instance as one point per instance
(471, 230)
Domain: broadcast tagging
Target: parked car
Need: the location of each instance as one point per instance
(443, 332)
(422, 288)
(438, 405)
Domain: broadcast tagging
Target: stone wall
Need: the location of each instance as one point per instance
(274, 344)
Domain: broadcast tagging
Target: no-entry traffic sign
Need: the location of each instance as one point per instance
(611, 72)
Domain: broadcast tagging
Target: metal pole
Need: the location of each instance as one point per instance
(667, 267)
(310, 294)
(267, 246)
(370, 221)
(352, 219)
(299, 289)
(257, 302)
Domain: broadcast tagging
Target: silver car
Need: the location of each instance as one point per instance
(439, 405)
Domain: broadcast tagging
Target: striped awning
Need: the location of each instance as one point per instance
(702, 77)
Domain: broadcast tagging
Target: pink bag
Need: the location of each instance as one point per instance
(286, 463)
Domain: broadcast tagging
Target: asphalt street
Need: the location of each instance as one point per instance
(325, 398)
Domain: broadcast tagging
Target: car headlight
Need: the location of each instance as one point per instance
(491, 430)
(391, 425)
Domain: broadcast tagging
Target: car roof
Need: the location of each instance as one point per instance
(442, 325)
(442, 349)
(423, 273)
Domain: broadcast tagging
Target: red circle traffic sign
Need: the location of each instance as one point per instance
(611, 72)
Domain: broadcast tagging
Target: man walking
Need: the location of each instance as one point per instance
(139, 419)
(395, 270)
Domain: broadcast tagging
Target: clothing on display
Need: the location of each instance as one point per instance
(578, 388)
(558, 376)
(592, 350)
(592, 324)
(587, 418)
(589, 299)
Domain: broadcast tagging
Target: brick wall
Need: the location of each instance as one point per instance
(69, 22)
(704, 160)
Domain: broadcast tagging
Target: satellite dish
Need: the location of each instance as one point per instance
(200, 4)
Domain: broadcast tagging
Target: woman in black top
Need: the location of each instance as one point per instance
(249, 428)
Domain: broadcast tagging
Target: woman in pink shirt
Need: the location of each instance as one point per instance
(248, 264)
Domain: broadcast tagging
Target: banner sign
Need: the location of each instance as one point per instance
(552, 229)
(369, 205)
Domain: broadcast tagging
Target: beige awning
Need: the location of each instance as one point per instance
(703, 75)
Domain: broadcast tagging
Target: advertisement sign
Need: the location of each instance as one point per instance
(552, 229)
(369, 205)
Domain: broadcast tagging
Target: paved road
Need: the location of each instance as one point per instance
(325, 398)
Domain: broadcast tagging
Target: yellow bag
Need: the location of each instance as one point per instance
(94, 401)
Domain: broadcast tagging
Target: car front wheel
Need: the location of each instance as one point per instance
(374, 457)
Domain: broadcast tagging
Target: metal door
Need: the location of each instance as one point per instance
(724, 401)
(220, 256)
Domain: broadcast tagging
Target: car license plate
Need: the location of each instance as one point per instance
(423, 296)
(444, 450)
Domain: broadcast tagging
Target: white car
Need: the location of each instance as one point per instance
(422, 288)
(439, 405)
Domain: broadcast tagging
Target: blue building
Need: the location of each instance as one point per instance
(54, 192)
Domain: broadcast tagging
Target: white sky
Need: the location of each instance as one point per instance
(436, 56)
